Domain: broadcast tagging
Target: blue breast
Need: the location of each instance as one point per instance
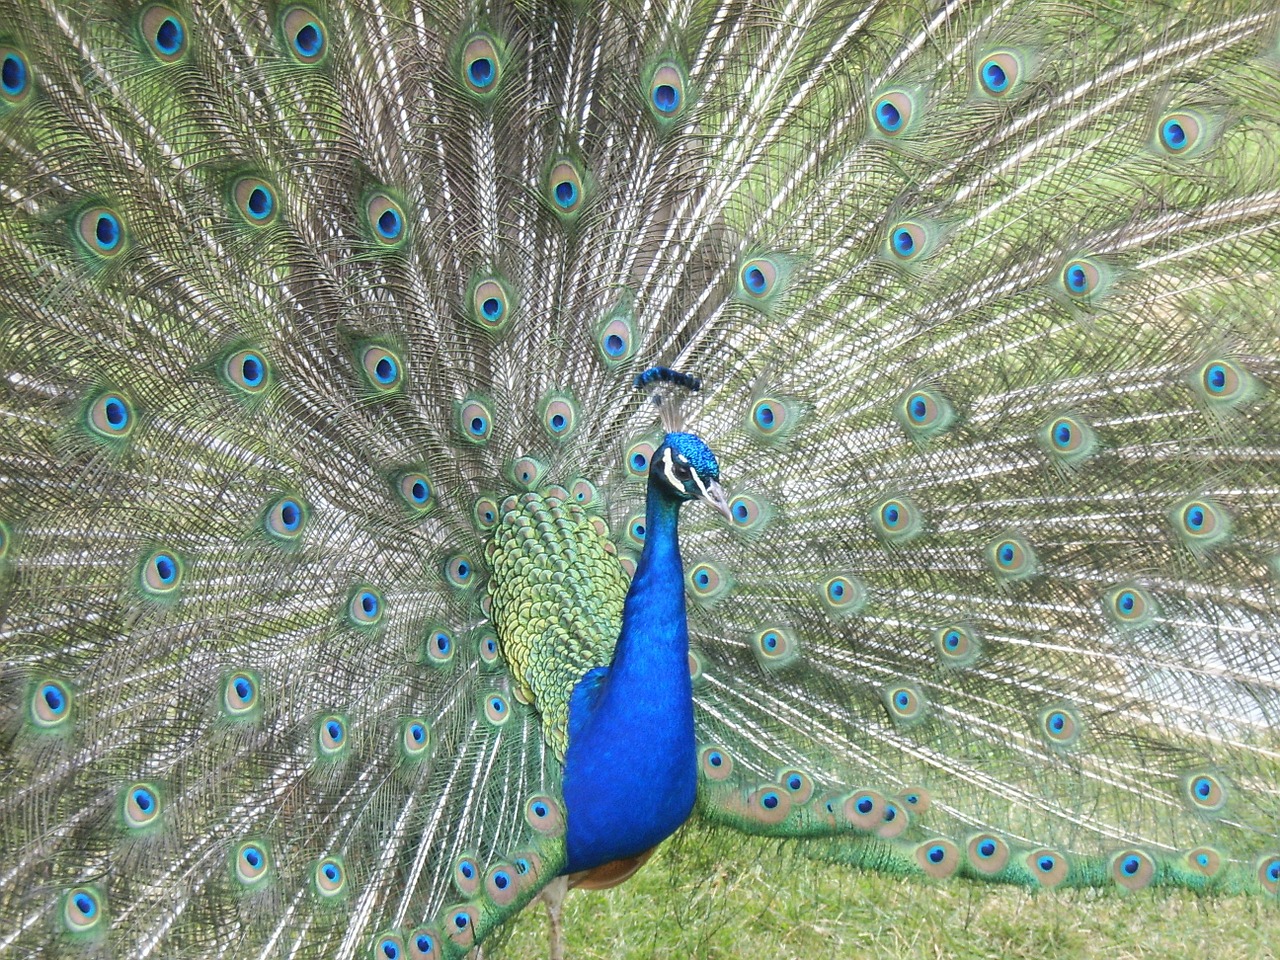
(630, 769)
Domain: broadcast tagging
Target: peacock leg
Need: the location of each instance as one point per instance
(553, 896)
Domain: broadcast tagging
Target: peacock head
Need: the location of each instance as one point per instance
(685, 468)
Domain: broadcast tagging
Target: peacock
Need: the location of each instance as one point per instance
(447, 445)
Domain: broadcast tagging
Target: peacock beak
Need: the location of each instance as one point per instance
(714, 495)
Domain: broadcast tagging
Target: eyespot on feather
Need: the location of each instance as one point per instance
(285, 518)
(842, 595)
(762, 279)
(759, 277)
(999, 74)
(1047, 867)
(864, 809)
(1084, 279)
(415, 491)
(772, 418)
(164, 32)
(1223, 385)
(749, 515)
(15, 76)
(475, 421)
(1067, 439)
(84, 911)
(616, 338)
(486, 513)
(924, 413)
(382, 368)
(251, 863)
(909, 244)
(491, 304)
(488, 650)
(1205, 861)
(798, 784)
(528, 472)
(708, 583)
(988, 854)
(1011, 558)
(424, 944)
(439, 646)
(892, 113)
(906, 240)
(917, 799)
(51, 705)
(566, 190)
(1061, 727)
(634, 530)
(365, 607)
(938, 858)
(304, 34)
(583, 493)
(1129, 606)
(559, 416)
(1133, 869)
(638, 457)
(768, 805)
(1181, 133)
(896, 520)
(140, 806)
(415, 738)
(481, 66)
(385, 220)
(329, 878)
(894, 821)
(958, 644)
(161, 574)
(715, 763)
(528, 868)
(110, 416)
(331, 736)
(1205, 792)
(240, 695)
(496, 709)
(500, 884)
(101, 231)
(545, 815)
(255, 200)
(466, 875)
(905, 703)
(460, 571)
(247, 371)
(460, 923)
(1200, 523)
(775, 648)
(667, 92)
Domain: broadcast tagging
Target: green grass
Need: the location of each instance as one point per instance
(717, 897)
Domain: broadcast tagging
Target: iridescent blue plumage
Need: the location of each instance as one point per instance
(630, 772)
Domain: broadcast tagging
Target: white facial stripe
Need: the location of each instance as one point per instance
(668, 468)
(702, 487)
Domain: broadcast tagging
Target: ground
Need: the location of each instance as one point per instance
(717, 897)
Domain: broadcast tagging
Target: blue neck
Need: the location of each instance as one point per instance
(630, 769)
